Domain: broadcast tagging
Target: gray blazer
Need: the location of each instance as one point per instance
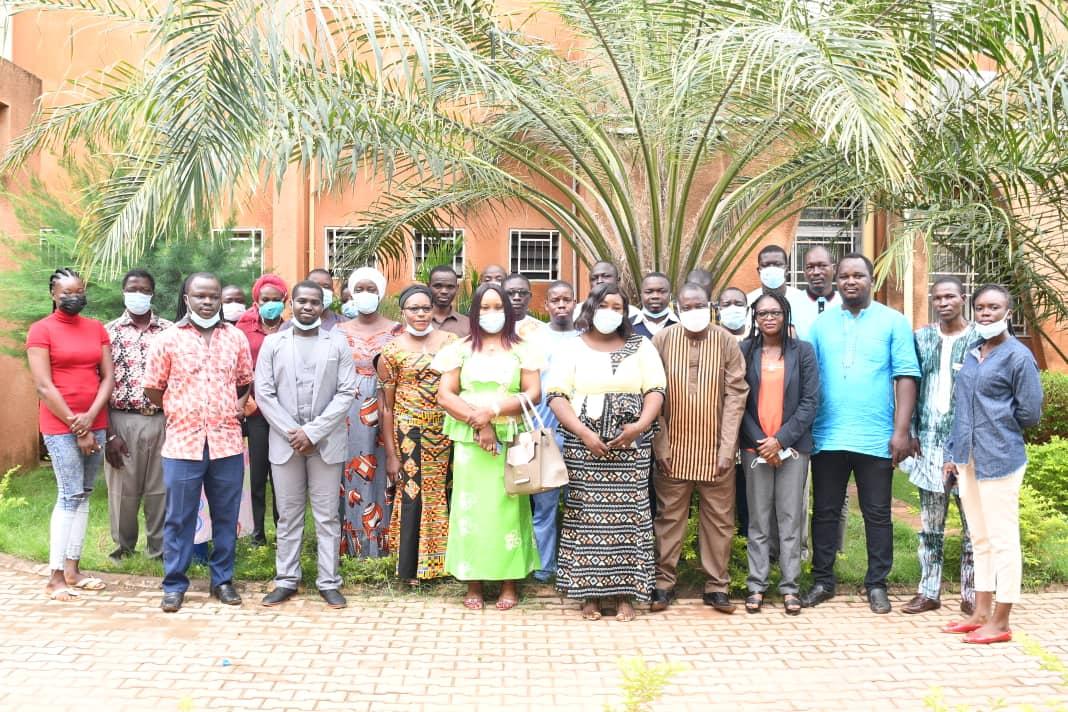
(335, 389)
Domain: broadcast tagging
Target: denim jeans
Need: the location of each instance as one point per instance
(221, 480)
(75, 475)
(545, 505)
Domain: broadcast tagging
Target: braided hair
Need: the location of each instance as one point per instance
(756, 338)
(60, 273)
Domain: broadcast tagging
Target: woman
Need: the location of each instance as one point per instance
(269, 294)
(607, 394)
(491, 534)
(417, 453)
(784, 388)
(366, 496)
(997, 395)
(70, 361)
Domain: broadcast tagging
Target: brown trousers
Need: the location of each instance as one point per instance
(714, 531)
(140, 480)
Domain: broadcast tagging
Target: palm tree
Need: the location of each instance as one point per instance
(669, 133)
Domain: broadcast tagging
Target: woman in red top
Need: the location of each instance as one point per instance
(70, 360)
(265, 317)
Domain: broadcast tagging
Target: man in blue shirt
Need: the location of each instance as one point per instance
(868, 372)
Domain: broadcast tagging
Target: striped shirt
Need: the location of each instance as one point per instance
(705, 401)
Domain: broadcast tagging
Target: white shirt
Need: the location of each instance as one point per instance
(803, 310)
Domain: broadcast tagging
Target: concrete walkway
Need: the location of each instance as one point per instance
(115, 650)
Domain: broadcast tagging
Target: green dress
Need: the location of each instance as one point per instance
(491, 537)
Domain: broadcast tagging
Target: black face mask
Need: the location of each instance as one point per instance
(72, 303)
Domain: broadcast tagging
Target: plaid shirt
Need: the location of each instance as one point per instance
(129, 351)
(199, 383)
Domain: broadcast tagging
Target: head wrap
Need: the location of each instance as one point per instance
(368, 273)
(269, 280)
(412, 290)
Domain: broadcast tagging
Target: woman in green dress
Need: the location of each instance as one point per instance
(491, 537)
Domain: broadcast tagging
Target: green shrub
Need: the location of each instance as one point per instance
(1054, 411)
(1043, 539)
(1047, 472)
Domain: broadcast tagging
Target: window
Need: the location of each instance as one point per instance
(838, 228)
(346, 250)
(433, 245)
(246, 239)
(948, 260)
(535, 254)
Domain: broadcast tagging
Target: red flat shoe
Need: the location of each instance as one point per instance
(961, 627)
(1002, 637)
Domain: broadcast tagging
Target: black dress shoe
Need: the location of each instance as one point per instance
(226, 594)
(172, 601)
(280, 594)
(879, 601)
(718, 600)
(662, 598)
(921, 604)
(333, 597)
(817, 595)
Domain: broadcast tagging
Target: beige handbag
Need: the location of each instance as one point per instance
(533, 463)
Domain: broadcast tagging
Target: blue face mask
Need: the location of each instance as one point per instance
(271, 310)
(349, 309)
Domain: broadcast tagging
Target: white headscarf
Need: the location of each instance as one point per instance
(368, 273)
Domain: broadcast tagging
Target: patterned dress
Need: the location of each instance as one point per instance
(491, 535)
(606, 540)
(419, 527)
(365, 502)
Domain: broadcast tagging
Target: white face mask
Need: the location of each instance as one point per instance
(202, 322)
(607, 321)
(416, 332)
(306, 327)
(492, 322)
(695, 320)
(137, 303)
(328, 298)
(732, 317)
(992, 330)
(366, 302)
(232, 311)
(772, 277)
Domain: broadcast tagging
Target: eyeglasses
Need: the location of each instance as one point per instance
(769, 314)
(518, 292)
(418, 310)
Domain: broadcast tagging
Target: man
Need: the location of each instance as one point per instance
(819, 292)
(941, 348)
(702, 278)
(868, 372)
(444, 284)
(695, 449)
(305, 383)
(772, 263)
(325, 280)
(233, 303)
(656, 314)
(199, 372)
(136, 426)
(517, 289)
(493, 273)
(603, 272)
(732, 308)
(559, 303)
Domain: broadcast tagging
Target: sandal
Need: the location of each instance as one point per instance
(792, 604)
(591, 611)
(625, 617)
(754, 602)
(473, 603)
(506, 604)
(65, 594)
(89, 583)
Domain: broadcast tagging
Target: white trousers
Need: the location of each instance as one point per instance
(992, 508)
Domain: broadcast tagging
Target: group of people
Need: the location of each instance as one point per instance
(397, 432)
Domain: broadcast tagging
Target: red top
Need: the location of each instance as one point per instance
(769, 400)
(75, 350)
(251, 324)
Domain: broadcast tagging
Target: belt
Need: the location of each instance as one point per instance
(143, 410)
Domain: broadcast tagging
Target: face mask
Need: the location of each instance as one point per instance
(271, 310)
(606, 321)
(306, 327)
(349, 309)
(656, 315)
(202, 322)
(732, 317)
(993, 330)
(772, 277)
(491, 323)
(366, 302)
(232, 311)
(137, 303)
(72, 304)
(695, 320)
(430, 327)
(328, 298)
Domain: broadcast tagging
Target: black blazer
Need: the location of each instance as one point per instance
(801, 397)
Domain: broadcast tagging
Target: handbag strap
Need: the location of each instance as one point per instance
(530, 413)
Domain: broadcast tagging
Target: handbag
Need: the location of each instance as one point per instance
(533, 463)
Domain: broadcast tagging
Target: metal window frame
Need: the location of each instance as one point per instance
(516, 239)
(420, 249)
(254, 236)
(968, 276)
(330, 235)
(828, 237)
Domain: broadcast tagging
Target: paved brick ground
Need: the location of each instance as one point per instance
(115, 650)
